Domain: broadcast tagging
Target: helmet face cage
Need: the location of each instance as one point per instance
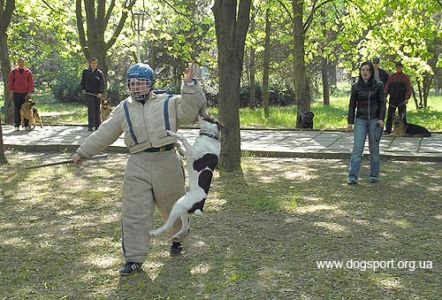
(139, 88)
(140, 80)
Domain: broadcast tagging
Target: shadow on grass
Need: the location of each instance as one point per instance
(259, 238)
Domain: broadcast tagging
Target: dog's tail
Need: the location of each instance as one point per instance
(35, 112)
(176, 212)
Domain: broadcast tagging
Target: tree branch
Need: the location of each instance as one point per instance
(81, 32)
(120, 25)
(177, 11)
(109, 11)
(6, 15)
(51, 8)
(100, 19)
(289, 13)
(309, 20)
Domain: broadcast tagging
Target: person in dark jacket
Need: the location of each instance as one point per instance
(21, 86)
(366, 111)
(379, 73)
(92, 84)
(399, 89)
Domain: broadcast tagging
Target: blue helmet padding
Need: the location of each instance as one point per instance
(141, 71)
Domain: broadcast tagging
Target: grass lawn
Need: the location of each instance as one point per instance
(260, 237)
(333, 117)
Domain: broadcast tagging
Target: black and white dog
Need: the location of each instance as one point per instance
(202, 159)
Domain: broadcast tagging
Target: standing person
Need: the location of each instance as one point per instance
(366, 111)
(399, 88)
(154, 172)
(379, 74)
(92, 82)
(21, 86)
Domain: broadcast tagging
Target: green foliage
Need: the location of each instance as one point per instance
(117, 92)
(175, 32)
(46, 38)
(67, 88)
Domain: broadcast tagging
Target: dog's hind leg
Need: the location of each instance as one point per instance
(176, 212)
(184, 227)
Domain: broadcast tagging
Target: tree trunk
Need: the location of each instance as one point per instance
(332, 78)
(438, 80)
(97, 17)
(325, 85)
(7, 7)
(302, 97)
(266, 66)
(252, 70)
(231, 29)
(6, 68)
(413, 92)
(3, 159)
(419, 89)
(427, 81)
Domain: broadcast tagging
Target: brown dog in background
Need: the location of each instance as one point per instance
(30, 113)
(408, 130)
(105, 109)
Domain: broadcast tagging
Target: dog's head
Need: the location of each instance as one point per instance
(28, 104)
(399, 126)
(209, 124)
(105, 104)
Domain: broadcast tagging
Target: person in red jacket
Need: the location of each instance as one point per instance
(398, 87)
(21, 86)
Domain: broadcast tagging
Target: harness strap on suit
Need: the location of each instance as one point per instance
(129, 122)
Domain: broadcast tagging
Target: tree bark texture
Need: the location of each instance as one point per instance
(5, 64)
(3, 159)
(266, 66)
(252, 70)
(301, 92)
(6, 9)
(325, 83)
(231, 24)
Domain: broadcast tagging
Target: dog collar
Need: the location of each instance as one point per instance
(210, 135)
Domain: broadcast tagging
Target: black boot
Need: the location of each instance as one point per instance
(130, 268)
(175, 249)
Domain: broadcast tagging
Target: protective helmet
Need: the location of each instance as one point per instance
(140, 80)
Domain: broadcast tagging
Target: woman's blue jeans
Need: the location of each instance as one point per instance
(361, 129)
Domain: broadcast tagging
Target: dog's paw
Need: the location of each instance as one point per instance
(198, 213)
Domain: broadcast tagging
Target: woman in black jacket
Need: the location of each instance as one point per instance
(367, 112)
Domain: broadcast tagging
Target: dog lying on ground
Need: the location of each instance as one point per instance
(105, 109)
(30, 113)
(202, 159)
(306, 121)
(408, 130)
